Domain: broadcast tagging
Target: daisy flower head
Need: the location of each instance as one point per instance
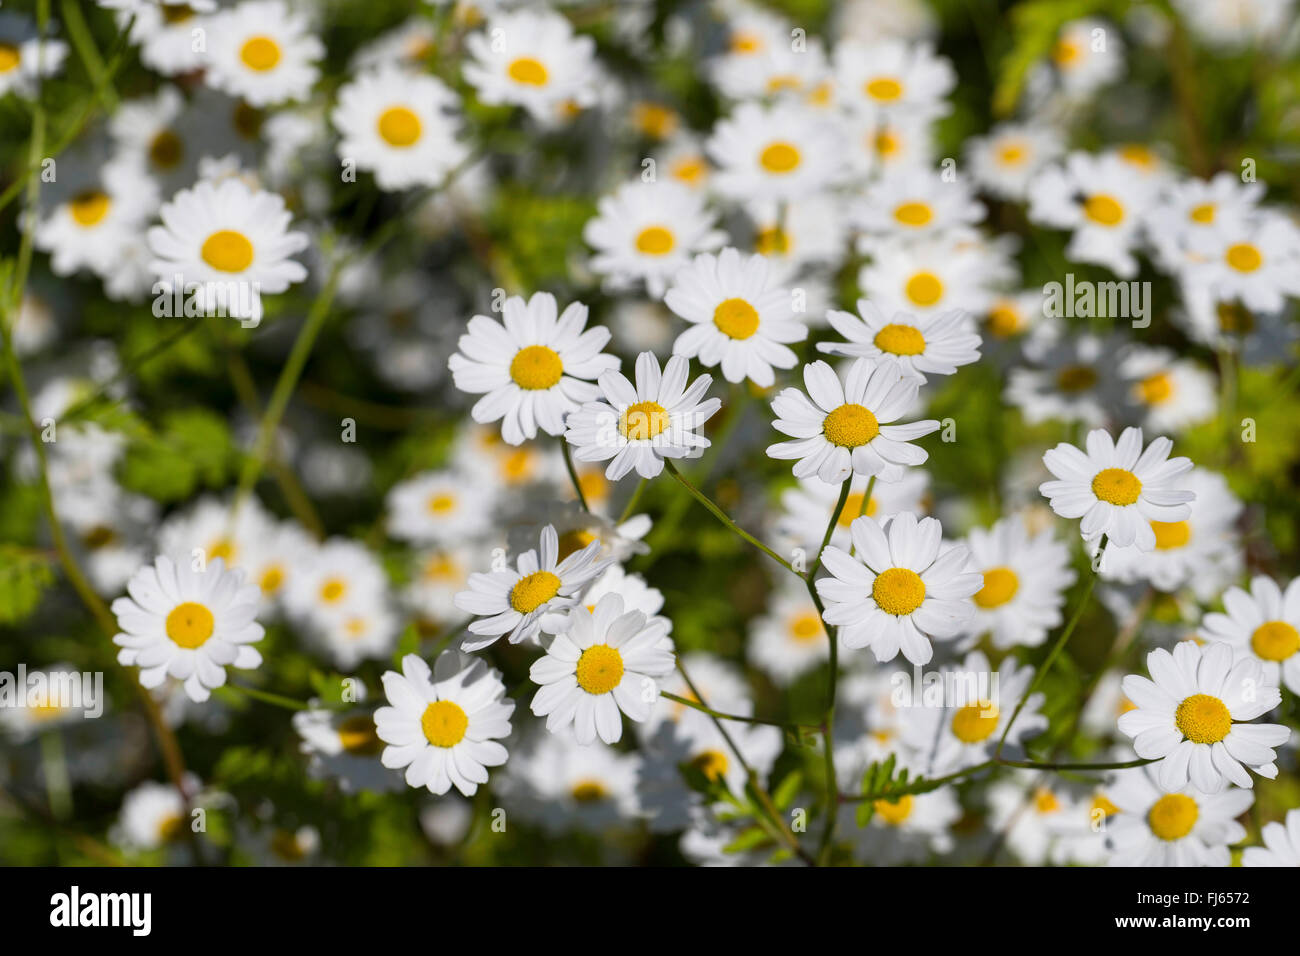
(740, 318)
(910, 203)
(1070, 378)
(1006, 161)
(900, 589)
(780, 152)
(1118, 488)
(892, 76)
(1171, 394)
(606, 664)
(26, 57)
(935, 344)
(1281, 844)
(165, 32)
(932, 275)
(808, 506)
(1191, 213)
(531, 597)
(344, 745)
(533, 366)
(152, 816)
(789, 639)
(263, 52)
(533, 59)
(909, 829)
(562, 785)
(188, 624)
(443, 726)
(226, 245)
(1183, 826)
(1262, 624)
(842, 429)
(1193, 715)
(439, 507)
(638, 426)
(399, 126)
(1255, 262)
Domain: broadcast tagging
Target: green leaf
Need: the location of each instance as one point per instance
(25, 575)
(194, 449)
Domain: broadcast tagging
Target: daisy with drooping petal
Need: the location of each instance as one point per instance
(1117, 488)
(188, 624)
(1193, 713)
(1183, 827)
(638, 427)
(532, 367)
(900, 588)
(779, 152)
(1262, 624)
(1281, 844)
(263, 52)
(443, 727)
(604, 665)
(841, 429)
(739, 317)
(530, 598)
(400, 126)
(931, 344)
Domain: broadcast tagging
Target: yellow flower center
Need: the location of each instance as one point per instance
(689, 170)
(1076, 378)
(1045, 801)
(1012, 154)
(898, 591)
(924, 288)
(166, 150)
(574, 541)
(736, 318)
(189, 625)
(1004, 320)
(772, 241)
(589, 791)
(600, 669)
(1000, 586)
(655, 120)
(1065, 52)
(1244, 257)
(532, 591)
(712, 763)
(898, 339)
(913, 214)
(1100, 802)
(1103, 210)
(850, 426)
(886, 89)
(853, 509)
(887, 143)
(170, 827)
(783, 81)
(643, 421)
(10, 57)
(806, 627)
(1173, 816)
(227, 251)
(260, 53)
(89, 208)
(1203, 719)
(1117, 486)
(399, 126)
(441, 567)
(224, 549)
(358, 736)
(1156, 389)
(528, 71)
(536, 367)
(975, 722)
(779, 157)
(744, 42)
(332, 590)
(272, 579)
(1275, 640)
(444, 723)
(655, 241)
(440, 504)
(1203, 214)
(894, 812)
(1171, 534)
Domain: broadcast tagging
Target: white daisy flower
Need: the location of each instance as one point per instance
(934, 275)
(1171, 394)
(333, 581)
(1185, 827)
(789, 640)
(780, 152)
(914, 202)
(359, 632)
(443, 726)
(1193, 717)
(166, 33)
(535, 365)
(399, 126)
(263, 52)
(1073, 378)
(25, 57)
(1088, 54)
(1191, 213)
(1006, 161)
(1233, 24)
(1254, 262)
(344, 745)
(842, 429)
(188, 624)
(647, 232)
(605, 664)
(530, 598)
(226, 245)
(438, 575)
(637, 595)
(564, 786)
(1281, 844)
(638, 427)
(808, 231)
(740, 318)
(1117, 488)
(152, 816)
(928, 345)
(892, 76)
(438, 507)
(1262, 624)
(889, 142)
(807, 507)
(778, 70)
(907, 830)
(900, 588)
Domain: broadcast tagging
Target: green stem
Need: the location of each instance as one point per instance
(722, 516)
(632, 502)
(830, 528)
(573, 475)
(695, 705)
(266, 697)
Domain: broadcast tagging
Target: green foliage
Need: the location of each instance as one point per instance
(193, 449)
(25, 575)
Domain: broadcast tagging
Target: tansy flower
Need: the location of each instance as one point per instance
(1281, 844)
(781, 152)
(1117, 488)
(532, 367)
(740, 318)
(530, 598)
(842, 429)
(929, 345)
(899, 589)
(605, 664)
(1193, 714)
(188, 624)
(638, 427)
(1157, 826)
(262, 52)
(443, 727)
(1262, 624)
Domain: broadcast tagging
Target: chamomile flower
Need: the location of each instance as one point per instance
(645, 232)
(1170, 393)
(531, 597)
(1255, 263)
(26, 57)
(1262, 624)
(780, 152)
(778, 70)
(1193, 716)
(188, 624)
(1281, 844)
(1182, 826)
(152, 816)
(912, 203)
(1087, 55)
(907, 830)
(333, 581)
(166, 34)
(400, 126)
(789, 639)
(1118, 488)
(227, 245)
(740, 318)
(438, 575)
(604, 665)
(533, 367)
(934, 275)
(808, 506)
(443, 726)
(262, 51)
(438, 507)
(344, 745)
(359, 632)
(892, 76)
(917, 346)
(808, 231)
(1071, 378)
(1192, 212)
(565, 786)
(533, 59)
(842, 429)
(1006, 161)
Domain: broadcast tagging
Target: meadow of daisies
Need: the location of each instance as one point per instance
(664, 432)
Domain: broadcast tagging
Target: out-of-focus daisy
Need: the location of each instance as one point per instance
(1006, 161)
(533, 59)
(802, 232)
(26, 57)
(1172, 394)
(1192, 716)
(789, 639)
(929, 345)
(892, 76)
(262, 51)
(438, 575)
(907, 830)
(912, 203)
(443, 727)
(152, 816)
(533, 367)
(344, 745)
(1281, 844)
(166, 33)
(1071, 378)
(933, 275)
(807, 507)
(780, 152)
(1157, 826)
(777, 70)
(840, 430)
(1087, 55)
(1190, 213)
(1255, 263)
(334, 580)
(884, 143)
(97, 211)
(1262, 624)
(720, 683)
(438, 506)
(565, 786)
